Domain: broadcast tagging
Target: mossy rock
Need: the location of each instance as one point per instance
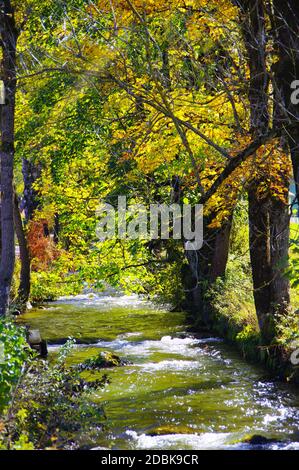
(104, 360)
(257, 440)
(165, 430)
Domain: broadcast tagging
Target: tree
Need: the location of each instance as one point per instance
(24, 286)
(285, 23)
(9, 36)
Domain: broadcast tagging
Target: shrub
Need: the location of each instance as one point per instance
(52, 407)
(13, 354)
(49, 285)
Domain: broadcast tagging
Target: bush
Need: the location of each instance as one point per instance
(52, 407)
(232, 304)
(287, 331)
(48, 286)
(13, 354)
(232, 297)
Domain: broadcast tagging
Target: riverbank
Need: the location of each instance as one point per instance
(231, 314)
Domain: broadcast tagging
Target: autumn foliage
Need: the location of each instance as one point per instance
(41, 246)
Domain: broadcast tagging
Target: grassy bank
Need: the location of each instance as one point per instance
(233, 317)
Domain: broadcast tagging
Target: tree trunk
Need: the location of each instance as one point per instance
(260, 256)
(24, 287)
(31, 172)
(286, 71)
(269, 242)
(56, 228)
(204, 267)
(221, 251)
(280, 235)
(8, 35)
(269, 247)
(269, 226)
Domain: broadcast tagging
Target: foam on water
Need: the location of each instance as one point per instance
(204, 441)
(167, 344)
(106, 299)
(169, 366)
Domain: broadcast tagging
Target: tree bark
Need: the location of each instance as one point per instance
(8, 34)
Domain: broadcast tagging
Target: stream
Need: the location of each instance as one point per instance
(180, 390)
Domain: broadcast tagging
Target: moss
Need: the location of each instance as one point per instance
(170, 429)
(103, 360)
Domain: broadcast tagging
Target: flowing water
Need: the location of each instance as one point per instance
(180, 390)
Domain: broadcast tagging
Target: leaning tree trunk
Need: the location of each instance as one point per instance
(8, 34)
(24, 286)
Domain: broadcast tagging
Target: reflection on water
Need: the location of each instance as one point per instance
(179, 391)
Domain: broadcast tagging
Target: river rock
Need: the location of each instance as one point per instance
(34, 337)
(103, 360)
(165, 430)
(37, 343)
(258, 440)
